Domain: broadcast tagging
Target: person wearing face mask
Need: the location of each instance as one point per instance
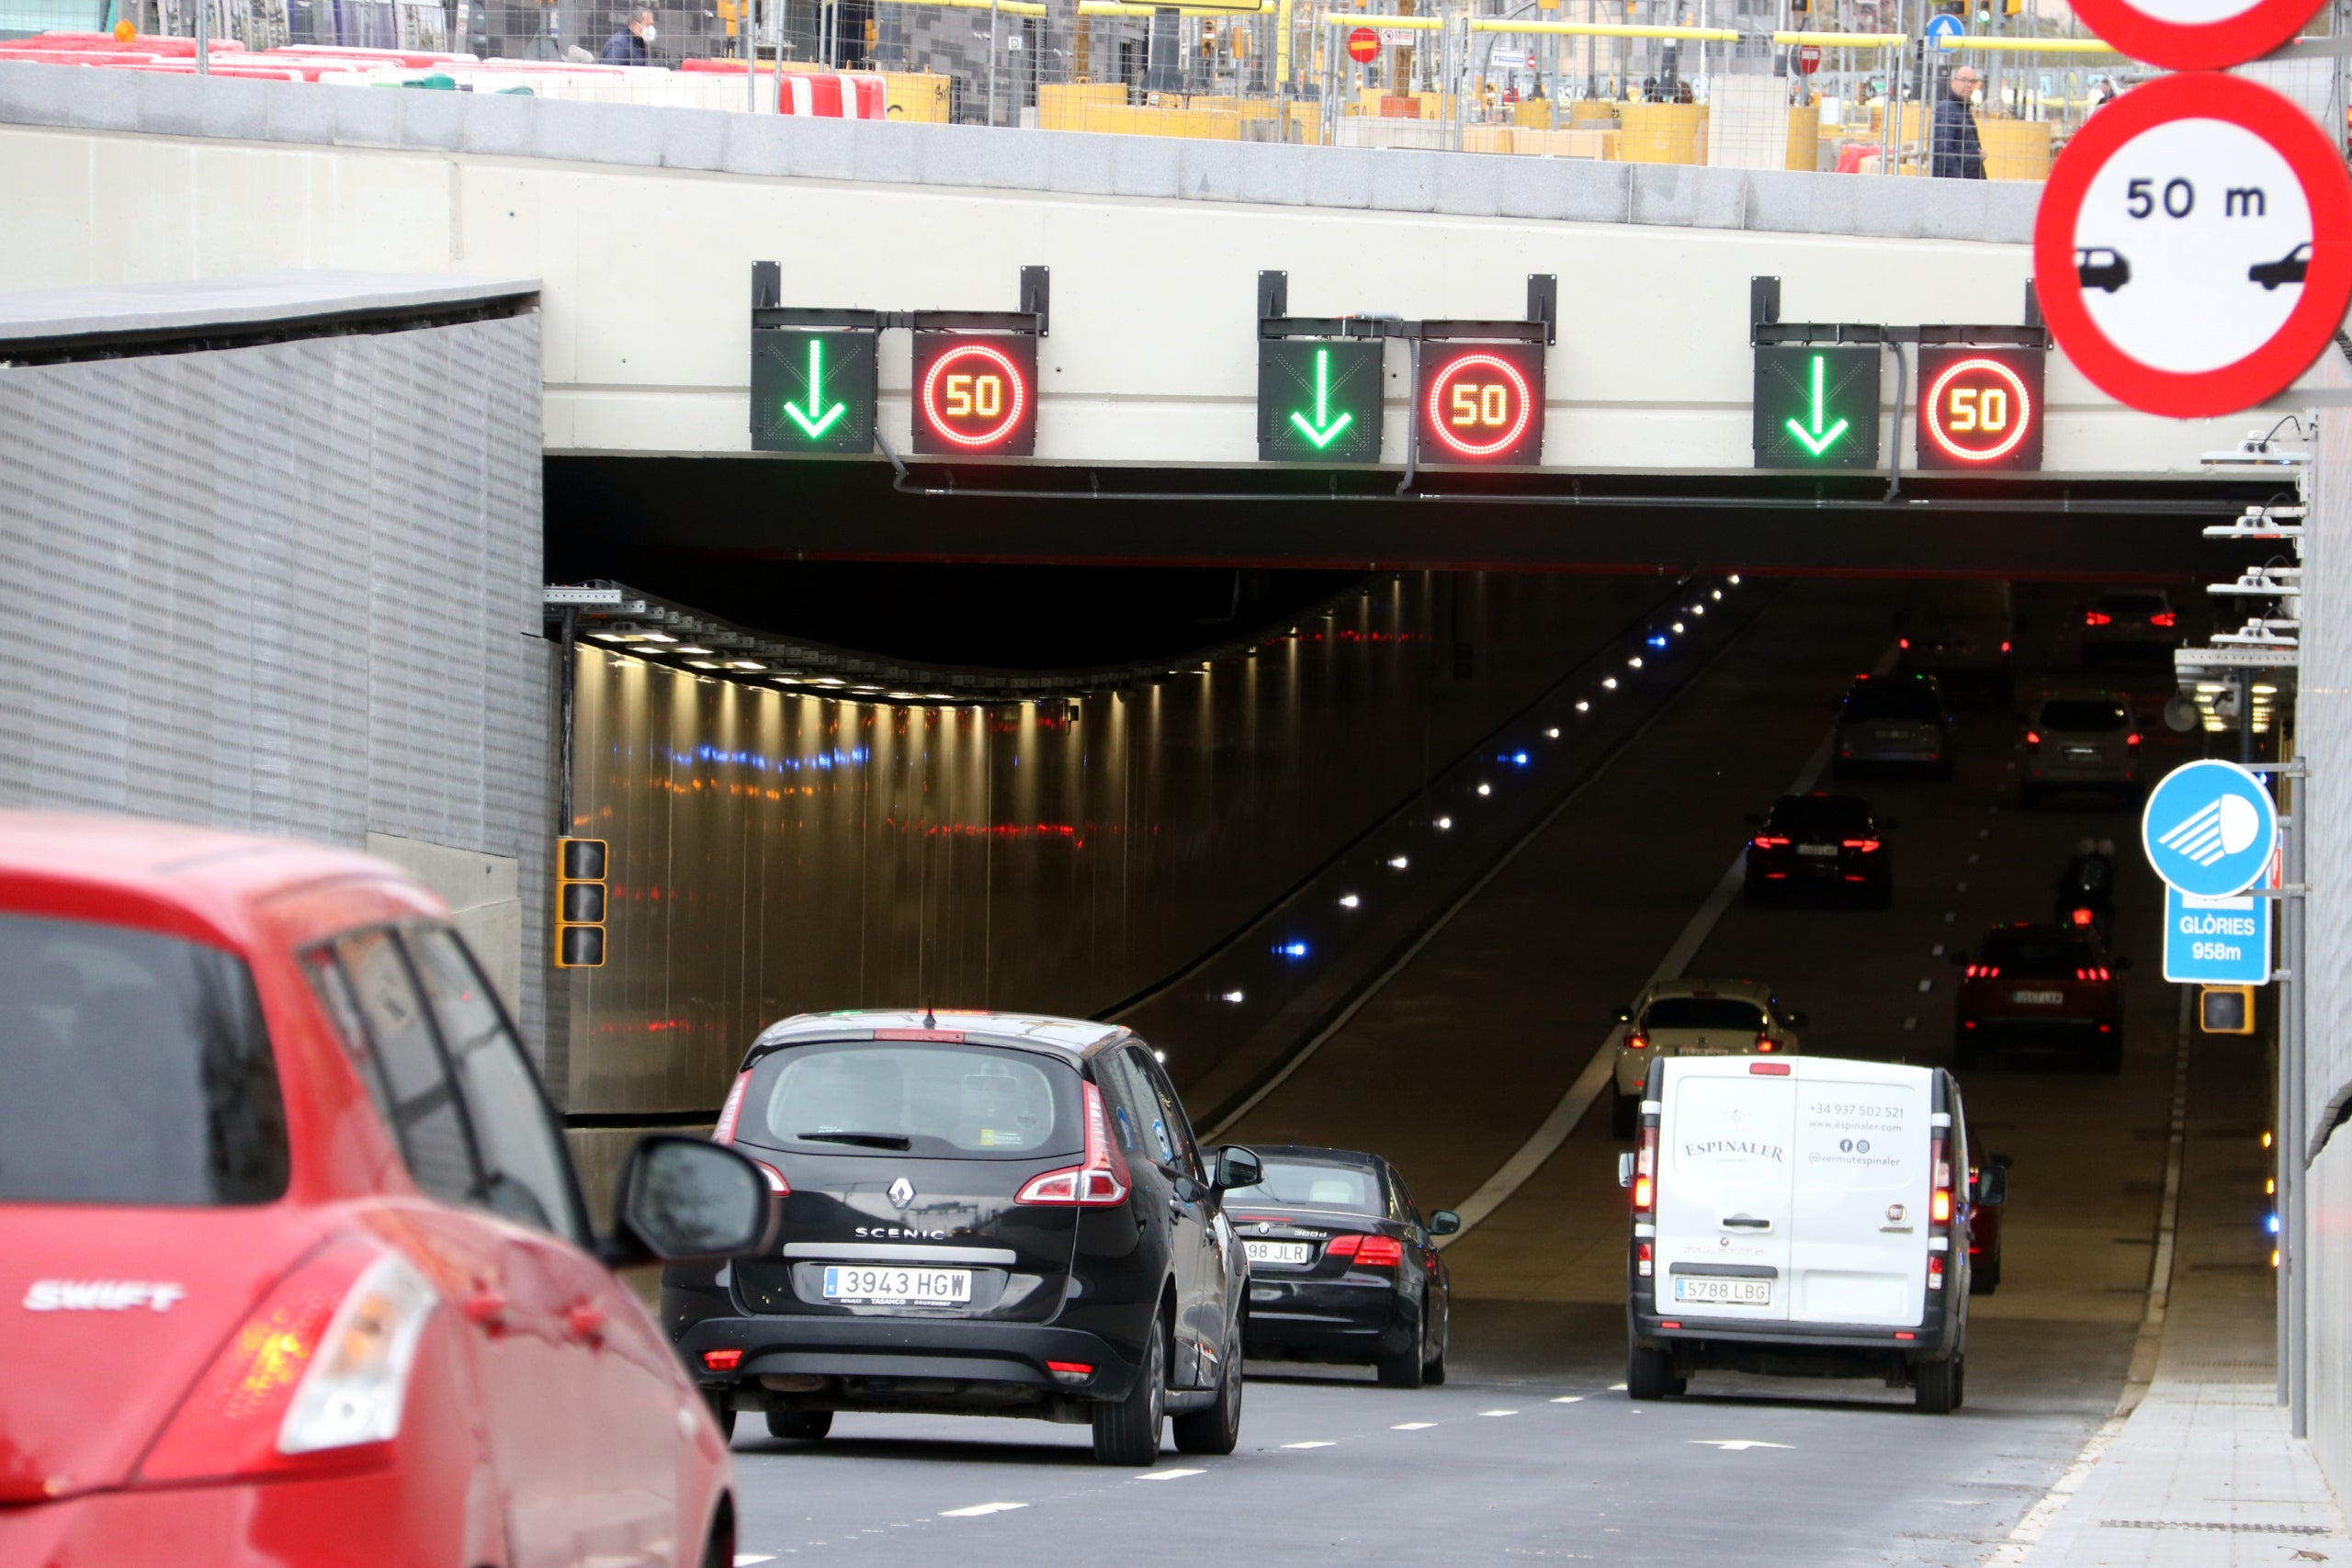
(633, 45)
(1957, 153)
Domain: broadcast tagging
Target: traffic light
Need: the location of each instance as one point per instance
(580, 903)
(2226, 1009)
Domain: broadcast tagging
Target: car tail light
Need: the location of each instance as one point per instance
(1645, 1170)
(722, 1360)
(2163, 618)
(2080, 917)
(319, 1368)
(1761, 844)
(2097, 619)
(724, 1132)
(1865, 845)
(1636, 1041)
(2032, 740)
(1764, 1043)
(2133, 738)
(1070, 1371)
(1366, 1251)
(1101, 1182)
(1645, 1260)
(2005, 647)
(1903, 643)
(774, 1179)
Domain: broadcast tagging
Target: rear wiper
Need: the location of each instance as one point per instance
(863, 1140)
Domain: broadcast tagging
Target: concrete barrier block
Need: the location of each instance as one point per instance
(429, 119)
(1275, 173)
(1405, 182)
(237, 111)
(35, 95)
(629, 134)
(1794, 203)
(1894, 207)
(1596, 192)
(1208, 171)
(166, 106)
(694, 138)
(1079, 163)
(1469, 185)
(364, 117)
(494, 125)
(757, 144)
(1690, 198)
(1532, 187)
(565, 130)
(1339, 176)
(301, 115)
(1144, 165)
(953, 155)
(1016, 159)
(886, 154)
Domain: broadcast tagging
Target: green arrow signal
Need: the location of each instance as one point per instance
(1818, 441)
(1320, 433)
(812, 424)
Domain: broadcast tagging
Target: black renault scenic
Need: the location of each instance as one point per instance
(981, 1213)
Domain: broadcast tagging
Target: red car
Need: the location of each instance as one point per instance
(293, 1261)
(2033, 986)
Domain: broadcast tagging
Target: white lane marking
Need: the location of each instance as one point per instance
(1169, 1474)
(1911, 1023)
(977, 1509)
(1316, 1445)
(1961, 888)
(1412, 1426)
(1926, 985)
(1936, 951)
(1569, 1399)
(1546, 1141)
(1616, 1388)
(1403, 961)
(1951, 915)
(1499, 1413)
(1734, 1445)
(745, 1559)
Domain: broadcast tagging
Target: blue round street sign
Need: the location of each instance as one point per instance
(2209, 829)
(1945, 31)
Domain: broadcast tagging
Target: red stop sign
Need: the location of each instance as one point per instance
(1809, 58)
(1363, 45)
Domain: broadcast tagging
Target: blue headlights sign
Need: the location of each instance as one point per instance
(2210, 829)
(2217, 941)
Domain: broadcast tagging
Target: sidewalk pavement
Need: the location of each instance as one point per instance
(2197, 1470)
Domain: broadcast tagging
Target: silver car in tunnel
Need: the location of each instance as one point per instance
(1894, 722)
(2079, 741)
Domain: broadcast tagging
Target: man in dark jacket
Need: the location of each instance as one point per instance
(1956, 154)
(633, 44)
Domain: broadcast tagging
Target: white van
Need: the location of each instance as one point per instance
(1806, 1217)
(1961, 633)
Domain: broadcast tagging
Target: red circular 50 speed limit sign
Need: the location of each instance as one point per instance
(2194, 245)
(2195, 35)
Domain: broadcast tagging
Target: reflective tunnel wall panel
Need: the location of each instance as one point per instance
(776, 854)
(291, 588)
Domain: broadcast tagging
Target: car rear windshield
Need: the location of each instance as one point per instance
(2086, 716)
(1703, 1012)
(1820, 814)
(1907, 702)
(932, 1100)
(134, 1069)
(2032, 955)
(1294, 1183)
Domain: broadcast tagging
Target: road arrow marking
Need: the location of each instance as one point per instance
(1169, 1474)
(1309, 1445)
(1732, 1445)
(1818, 442)
(977, 1509)
(1320, 433)
(814, 426)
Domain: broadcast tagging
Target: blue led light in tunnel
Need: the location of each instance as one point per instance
(1290, 949)
(1520, 757)
(1659, 640)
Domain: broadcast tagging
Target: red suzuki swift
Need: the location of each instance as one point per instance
(293, 1263)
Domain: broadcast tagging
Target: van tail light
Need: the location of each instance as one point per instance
(1770, 1069)
(2133, 738)
(2163, 619)
(318, 1370)
(1646, 1171)
(1366, 1251)
(728, 1114)
(2097, 619)
(1645, 1260)
(1939, 1197)
(1935, 1270)
(2032, 740)
(1101, 1183)
(1636, 1041)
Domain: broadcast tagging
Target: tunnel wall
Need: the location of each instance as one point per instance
(292, 589)
(776, 854)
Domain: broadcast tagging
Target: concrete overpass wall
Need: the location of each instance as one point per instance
(643, 221)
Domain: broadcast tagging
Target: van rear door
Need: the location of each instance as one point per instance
(1724, 1190)
(1862, 1192)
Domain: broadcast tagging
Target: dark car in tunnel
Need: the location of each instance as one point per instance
(1898, 723)
(981, 1213)
(1822, 844)
(2040, 986)
(1343, 1267)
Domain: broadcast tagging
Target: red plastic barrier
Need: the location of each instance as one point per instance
(832, 95)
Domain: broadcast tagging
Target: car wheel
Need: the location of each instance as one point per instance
(1650, 1374)
(1880, 897)
(1404, 1368)
(1752, 890)
(1936, 1388)
(1433, 1372)
(1217, 1429)
(806, 1424)
(1959, 1381)
(719, 1552)
(1625, 1114)
(1985, 1279)
(1126, 1431)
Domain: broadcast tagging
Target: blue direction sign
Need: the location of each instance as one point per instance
(1945, 31)
(2217, 941)
(2209, 829)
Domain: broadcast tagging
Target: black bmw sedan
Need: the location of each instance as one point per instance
(1824, 845)
(1342, 1264)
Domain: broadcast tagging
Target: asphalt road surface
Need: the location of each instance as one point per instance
(1530, 1453)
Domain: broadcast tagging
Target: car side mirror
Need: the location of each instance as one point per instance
(1993, 1185)
(1237, 1166)
(685, 1200)
(1625, 1169)
(1445, 1222)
